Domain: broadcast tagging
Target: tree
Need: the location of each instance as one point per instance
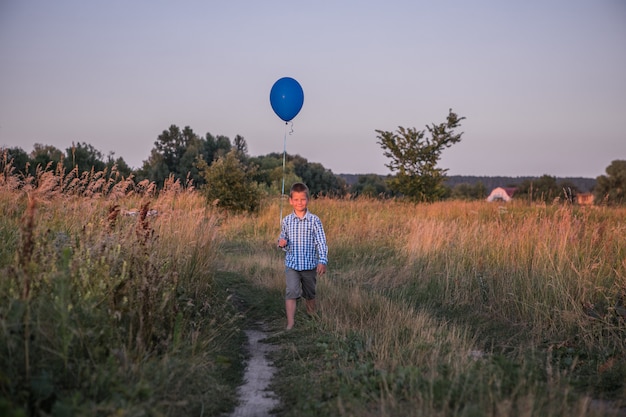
(44, 155)
(121, 166)
(177, 152)
(84, 157)
(215, 147)
(414, 157)
(465, 191)
(240, 145)
(545, 189)
(187, 165)
(154, 169)
(230, 184)
(173, 144)
(611, 188)
(370, 185)
(321, 181)
(17, 159)
(269, 173)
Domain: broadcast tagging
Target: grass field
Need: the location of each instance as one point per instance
(116, 301)
(452, 309)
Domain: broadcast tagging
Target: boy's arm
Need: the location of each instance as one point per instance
(283, 239)
(322, 247)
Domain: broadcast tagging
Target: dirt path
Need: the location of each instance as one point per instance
(255, 398)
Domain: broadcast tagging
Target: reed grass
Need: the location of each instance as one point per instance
(108, 303)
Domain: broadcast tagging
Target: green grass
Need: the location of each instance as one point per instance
(102, 314)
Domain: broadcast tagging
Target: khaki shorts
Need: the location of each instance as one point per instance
(300, 284)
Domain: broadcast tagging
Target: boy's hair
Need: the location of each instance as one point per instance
(299, 187)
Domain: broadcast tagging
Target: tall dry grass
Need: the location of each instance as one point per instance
(107, 302)
(555, 270)
(460, 308)
(444, 309)
(552, 268)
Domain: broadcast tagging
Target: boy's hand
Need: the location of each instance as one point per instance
(321, 269)
(282, 243)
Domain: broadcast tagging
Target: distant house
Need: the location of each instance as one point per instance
(584, 199)
(502, 194)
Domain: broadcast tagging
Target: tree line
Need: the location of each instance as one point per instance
(224, 171)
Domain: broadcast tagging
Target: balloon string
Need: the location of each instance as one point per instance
(282, 193)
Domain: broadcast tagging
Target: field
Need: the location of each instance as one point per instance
(118, 301)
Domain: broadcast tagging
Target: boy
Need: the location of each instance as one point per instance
(302, 237)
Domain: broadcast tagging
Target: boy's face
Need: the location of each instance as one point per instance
(298, 201)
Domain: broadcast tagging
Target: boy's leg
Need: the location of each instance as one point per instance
(309, 282)
(310, 307)
(290, 308)
(293, 292)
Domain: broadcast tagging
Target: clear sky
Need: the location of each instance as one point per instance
(542, 83)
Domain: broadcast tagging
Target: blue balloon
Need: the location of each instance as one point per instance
(286, 98)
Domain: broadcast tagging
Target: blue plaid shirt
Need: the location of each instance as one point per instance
(306, 241)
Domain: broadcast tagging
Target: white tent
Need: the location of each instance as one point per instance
(501, 194)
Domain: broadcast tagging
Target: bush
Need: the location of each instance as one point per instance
(229, 184)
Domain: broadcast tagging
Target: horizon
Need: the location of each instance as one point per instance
(344, 173)
(64, 149)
